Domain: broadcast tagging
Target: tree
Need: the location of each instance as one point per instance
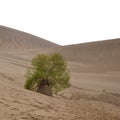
(50, 70)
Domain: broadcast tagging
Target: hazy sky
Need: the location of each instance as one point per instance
(63, 21)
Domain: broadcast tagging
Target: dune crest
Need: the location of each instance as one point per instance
(11, 39)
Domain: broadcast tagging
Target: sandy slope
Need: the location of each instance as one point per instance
(95, 91)
(103, 55)
(11, 39)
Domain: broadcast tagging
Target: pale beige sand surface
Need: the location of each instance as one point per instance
(95, 80)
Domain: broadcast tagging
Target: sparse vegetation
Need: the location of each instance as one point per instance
(48, 69)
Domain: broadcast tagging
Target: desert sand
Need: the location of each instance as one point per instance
(95, 80)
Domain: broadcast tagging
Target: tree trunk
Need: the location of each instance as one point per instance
(44, 88)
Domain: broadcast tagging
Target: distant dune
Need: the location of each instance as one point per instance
(101, 55)
(93, 51)
(95, 80)
(11, 39)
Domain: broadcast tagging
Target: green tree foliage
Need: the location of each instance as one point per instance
(51, 68)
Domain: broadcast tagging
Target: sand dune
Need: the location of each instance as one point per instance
(11, 39)
(105, 53)
(95, 79)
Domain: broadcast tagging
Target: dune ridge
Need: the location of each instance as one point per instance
(11, 39)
